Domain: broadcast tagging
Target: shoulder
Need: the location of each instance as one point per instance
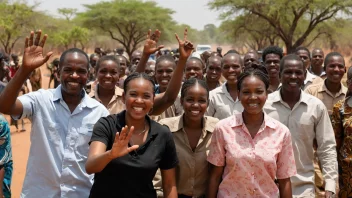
(312, 101)
(171, 122)
(215, 91)
(163, 131)
(313, 88)
(210, 123)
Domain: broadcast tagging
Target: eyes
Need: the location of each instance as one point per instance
(105, 71)
(248, 92)
(234, 67)
(275, 62)
(70, 71)
(145, 95)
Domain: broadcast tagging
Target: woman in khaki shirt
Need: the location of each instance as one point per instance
(106, 91)
(192, 133)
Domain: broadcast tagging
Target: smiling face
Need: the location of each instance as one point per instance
(73, 73)
(139, 98)
(335, 69)
(214, 69)
(108, 74)
(272, 65)
(195, 102)
(293, 75)
(164, 72)
(231, 68)
(252, 95)
(250, 59)
(194, 69)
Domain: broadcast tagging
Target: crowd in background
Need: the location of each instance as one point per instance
(176, 123)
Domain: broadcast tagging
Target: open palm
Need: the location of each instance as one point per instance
(120, 146)
(150, 45)
(33, 52)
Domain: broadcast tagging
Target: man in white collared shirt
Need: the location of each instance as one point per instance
(62, 123)
(308, 119)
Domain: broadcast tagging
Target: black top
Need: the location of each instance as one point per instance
(131, 176)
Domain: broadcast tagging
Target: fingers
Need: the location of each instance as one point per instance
(157, 34)
(31, 39)
(37, 38)
(26, 42)
(130, 133)
(123, 133)
(117, 136)
(132, 148)
(46, 58)
(160, 47)
(42, 43)
(148, 34)
(185, 33)
(178, 39)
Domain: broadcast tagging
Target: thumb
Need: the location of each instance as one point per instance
(132, 148)
(47, 56)
(160, 47)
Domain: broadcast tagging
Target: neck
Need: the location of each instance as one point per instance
(290, 97)
(231, 87)
(317, 70)
(332, 87)
(274, 81)
(192, 124)
(137, 124)
(71, 99)
(253, 119)
(212, 84)
(102, 92)
(162, 89)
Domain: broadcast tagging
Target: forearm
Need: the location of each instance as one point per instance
(142, 63)
(213, 187)
(2, 176)
(9, 95)
(172, 90)
(285, 188)
(170, 192)
(97, 163)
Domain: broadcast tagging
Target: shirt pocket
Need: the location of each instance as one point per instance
(84, 135)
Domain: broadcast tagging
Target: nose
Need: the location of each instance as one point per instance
(293, 75)
(336, 68)
(139, 100)
(231, 69)
(74, 74)
(195, 104)
(164, 74)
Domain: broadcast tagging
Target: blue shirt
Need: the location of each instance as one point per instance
(59, 144)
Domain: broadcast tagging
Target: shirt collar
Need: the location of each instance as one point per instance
(237, 120)
(208, 124)
(277, 97)
(94, 94)
(225, 91)
(85, 102)
(322, 88)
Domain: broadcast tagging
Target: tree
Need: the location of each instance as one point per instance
(127, 21)
(15, 20)
(68, 13)
(253, 31)
(286, 16)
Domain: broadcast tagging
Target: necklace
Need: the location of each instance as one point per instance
(144, 130)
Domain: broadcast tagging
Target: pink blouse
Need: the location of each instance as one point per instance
(251, 164)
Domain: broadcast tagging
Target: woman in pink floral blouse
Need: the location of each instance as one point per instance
(249, 150)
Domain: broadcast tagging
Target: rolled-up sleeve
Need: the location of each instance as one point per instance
(326, 149)
(29, 102)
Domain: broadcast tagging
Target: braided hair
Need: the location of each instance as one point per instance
(190, 83)
(257, 72)
(137, 75)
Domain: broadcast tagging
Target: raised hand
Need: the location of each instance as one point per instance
(33, 51)
(185, 46)
(120, 146)
(150, 45)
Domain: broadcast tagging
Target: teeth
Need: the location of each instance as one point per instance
(138, 108)
(73, 83)
(107, 82)
(164, 81)
(253, 105)
(293, 83)
(195, 112)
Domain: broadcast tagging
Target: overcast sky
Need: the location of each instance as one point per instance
(192, 12)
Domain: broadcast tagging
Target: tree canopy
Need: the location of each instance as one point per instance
(292, 21)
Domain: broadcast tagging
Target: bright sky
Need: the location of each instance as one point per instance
(195, 13)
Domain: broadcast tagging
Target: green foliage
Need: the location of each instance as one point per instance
(292, 21)
(127, 21)
(15, 19)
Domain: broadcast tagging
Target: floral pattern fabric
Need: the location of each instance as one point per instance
(251, 164)
(341, 119)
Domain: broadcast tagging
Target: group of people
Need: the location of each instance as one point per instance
(218, 125)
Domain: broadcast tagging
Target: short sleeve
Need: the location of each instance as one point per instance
(102, 131)
(286, 166)
(217, 152)
(169, 159)
(210, 110)
(29, 102)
